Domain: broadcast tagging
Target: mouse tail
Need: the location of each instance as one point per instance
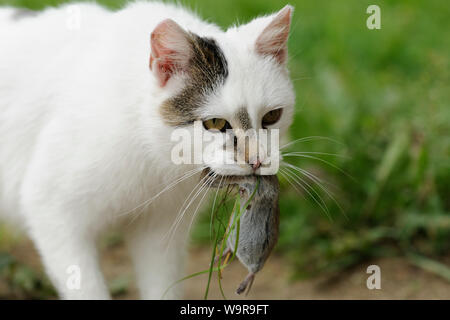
(247, 283)
(250, 285)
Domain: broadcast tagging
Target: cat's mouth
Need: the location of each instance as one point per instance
(241, 170)
(206, 172)
(210, 172)
(214, 180)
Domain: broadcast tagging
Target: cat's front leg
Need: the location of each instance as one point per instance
(157, 263)
(68, 252)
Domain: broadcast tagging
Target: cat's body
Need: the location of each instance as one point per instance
(84, 141)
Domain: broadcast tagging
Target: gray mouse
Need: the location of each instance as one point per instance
(259, 223)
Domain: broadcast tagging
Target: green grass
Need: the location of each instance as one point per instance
(384, 95)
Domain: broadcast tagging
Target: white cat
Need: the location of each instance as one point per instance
(86, 123)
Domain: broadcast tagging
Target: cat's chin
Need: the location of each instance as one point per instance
(230, 171)
(241, 170)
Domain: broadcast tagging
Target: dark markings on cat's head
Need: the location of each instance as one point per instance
(242, 119)
(207, 70)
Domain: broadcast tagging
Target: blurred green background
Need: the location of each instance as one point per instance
(384, 96)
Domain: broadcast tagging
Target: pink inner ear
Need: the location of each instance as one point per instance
(170, 50)
(273, 40)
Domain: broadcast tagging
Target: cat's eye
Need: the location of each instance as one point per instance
(271, 117)
(216, 124)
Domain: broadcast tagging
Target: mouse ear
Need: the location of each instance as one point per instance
(171, 50)
(273, 40)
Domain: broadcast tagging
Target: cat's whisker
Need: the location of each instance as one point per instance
(310, 138)
(311, 188)
(288, 176)
(169, 186)
(294, 153)
(206, 188)
(189, 198)
(134, 214)
(326, 162)
(291, 181)
(319, 182)
(306, 172)
(201, 200)
(171, 233)
(148, 202)
(178, 180)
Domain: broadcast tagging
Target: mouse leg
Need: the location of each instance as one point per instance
(247, 283)
(225, 253)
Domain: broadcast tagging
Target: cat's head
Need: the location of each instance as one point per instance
(233, 83)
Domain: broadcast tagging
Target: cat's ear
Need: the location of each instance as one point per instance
(171, 50)
(273, 40)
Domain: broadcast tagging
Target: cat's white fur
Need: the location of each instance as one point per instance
(82, 143)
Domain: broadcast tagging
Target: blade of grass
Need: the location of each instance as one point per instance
(211, 266)
(430, 265)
